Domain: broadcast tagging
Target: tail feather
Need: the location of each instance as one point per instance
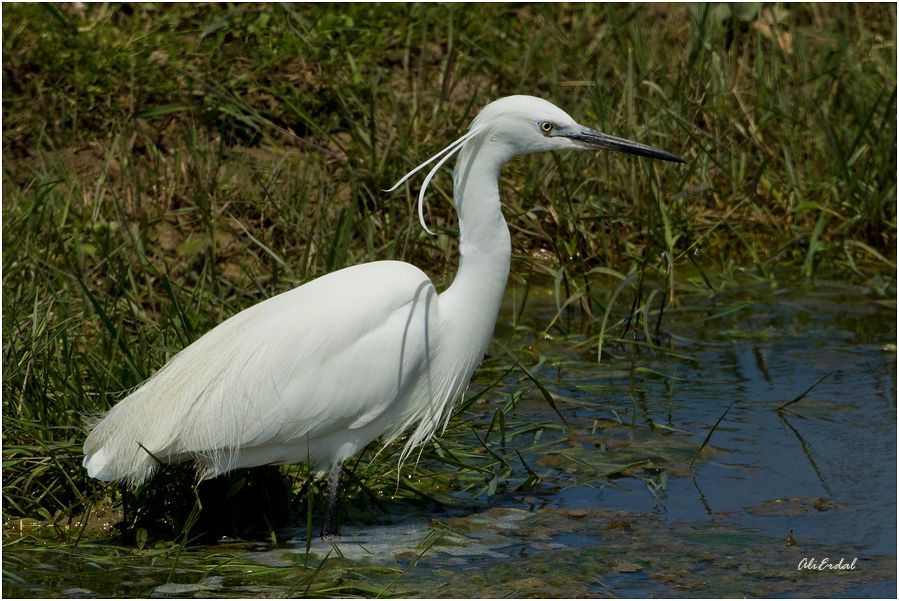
(117, 446)
(97, 465)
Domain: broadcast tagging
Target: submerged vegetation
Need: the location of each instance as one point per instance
(165, 166)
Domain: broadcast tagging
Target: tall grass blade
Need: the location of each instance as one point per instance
(708, 436)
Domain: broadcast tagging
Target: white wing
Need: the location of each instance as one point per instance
(329, 365)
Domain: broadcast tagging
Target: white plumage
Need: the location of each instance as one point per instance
(318, 372)
(287, 380)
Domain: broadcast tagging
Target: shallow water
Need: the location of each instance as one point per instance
(822, 474)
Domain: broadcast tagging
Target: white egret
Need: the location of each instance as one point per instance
(316, 373)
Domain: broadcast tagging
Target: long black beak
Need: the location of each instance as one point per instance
(590, 138)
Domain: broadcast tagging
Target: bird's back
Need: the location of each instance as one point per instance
(317, 371)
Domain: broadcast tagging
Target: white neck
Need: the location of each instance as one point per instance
(471, 304)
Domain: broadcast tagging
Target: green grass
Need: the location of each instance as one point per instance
(166, 166)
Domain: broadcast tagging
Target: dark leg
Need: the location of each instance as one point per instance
(329, 525)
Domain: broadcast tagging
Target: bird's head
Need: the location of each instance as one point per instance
(521, 125)
(526, 124)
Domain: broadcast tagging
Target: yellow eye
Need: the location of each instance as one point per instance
(546, 126)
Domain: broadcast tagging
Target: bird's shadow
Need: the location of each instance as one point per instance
(244, 504)
(261, 503)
